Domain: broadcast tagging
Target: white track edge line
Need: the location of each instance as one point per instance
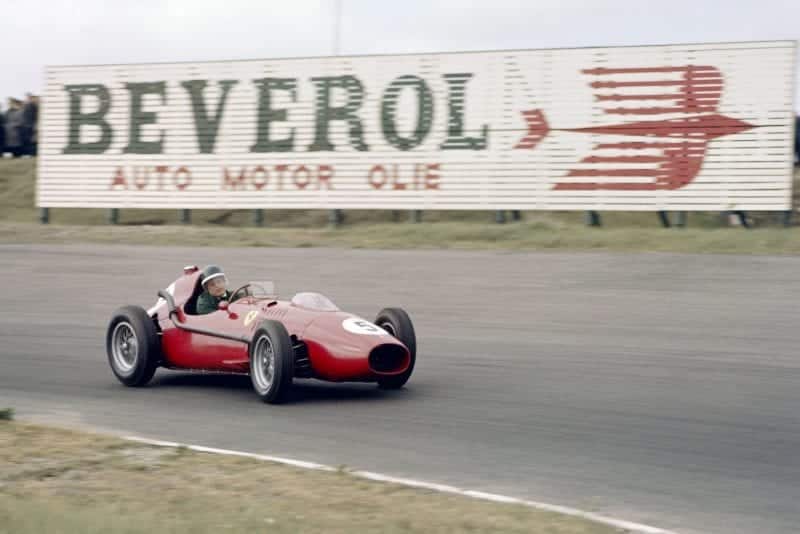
(413, 483)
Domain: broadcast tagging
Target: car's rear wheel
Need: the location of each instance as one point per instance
(132, 346)
(271, 362)
(397, 322)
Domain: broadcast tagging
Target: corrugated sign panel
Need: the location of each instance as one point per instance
(679, 127)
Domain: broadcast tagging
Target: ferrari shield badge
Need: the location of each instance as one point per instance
(250, 317)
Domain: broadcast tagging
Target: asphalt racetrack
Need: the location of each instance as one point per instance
(657, 388)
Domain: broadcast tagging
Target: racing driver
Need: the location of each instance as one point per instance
(215, 289)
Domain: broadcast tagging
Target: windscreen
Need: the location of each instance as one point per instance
(314, 301)
(262, 289)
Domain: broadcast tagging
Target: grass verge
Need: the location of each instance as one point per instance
(470, 236)
(54, 480)
(622, 231)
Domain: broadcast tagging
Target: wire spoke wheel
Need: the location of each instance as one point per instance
(133, 346)
(124, 347)
(263, 364)
(271, 362)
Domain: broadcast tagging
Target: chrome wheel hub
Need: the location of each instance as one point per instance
(263, 370)
(124, 347)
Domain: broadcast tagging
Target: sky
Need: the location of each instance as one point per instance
(36, 33)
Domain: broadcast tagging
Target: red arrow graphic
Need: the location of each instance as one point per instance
(670, 162)
(680, 160)
(700, 128)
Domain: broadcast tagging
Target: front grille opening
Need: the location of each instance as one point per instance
(388, 359)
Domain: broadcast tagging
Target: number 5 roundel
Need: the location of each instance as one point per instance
(356, 325)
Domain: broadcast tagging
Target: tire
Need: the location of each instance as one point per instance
(133, 346)
(271, 362)
(397, 322)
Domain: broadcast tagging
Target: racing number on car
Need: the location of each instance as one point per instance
(366, 326)
(357, 325)
(250, 317)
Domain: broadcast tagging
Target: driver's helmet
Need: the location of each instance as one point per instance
(210, 273)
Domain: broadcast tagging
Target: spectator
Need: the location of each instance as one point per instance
(30, 115)
(14, 127)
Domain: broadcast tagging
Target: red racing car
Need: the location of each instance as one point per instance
(274, 341)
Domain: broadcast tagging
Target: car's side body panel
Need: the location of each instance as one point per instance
(184, 349)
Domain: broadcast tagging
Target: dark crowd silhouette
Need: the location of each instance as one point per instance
(19, 131)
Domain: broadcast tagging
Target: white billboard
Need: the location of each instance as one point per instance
(677, 127)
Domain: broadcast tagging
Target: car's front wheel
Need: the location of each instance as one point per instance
(271, 362)
(132, 346)
(397, 322)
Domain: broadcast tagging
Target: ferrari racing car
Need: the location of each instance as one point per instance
(255, 333)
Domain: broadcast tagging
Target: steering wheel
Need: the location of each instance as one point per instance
(245, 289)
